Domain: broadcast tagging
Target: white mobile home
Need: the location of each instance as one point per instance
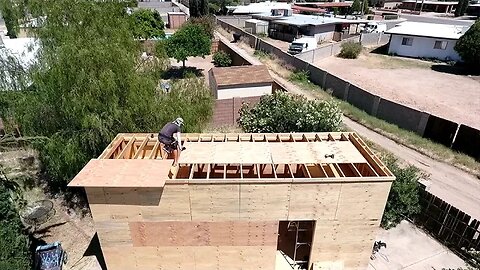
(425, 40)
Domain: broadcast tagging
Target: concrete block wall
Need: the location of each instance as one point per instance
(437, 129)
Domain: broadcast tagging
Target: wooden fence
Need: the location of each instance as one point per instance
(449, 225)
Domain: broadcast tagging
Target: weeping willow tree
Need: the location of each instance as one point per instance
(87, 85)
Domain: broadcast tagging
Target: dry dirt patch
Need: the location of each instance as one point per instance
(412, 83)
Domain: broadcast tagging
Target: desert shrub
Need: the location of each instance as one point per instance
(350, 50)
(404, 198)
(300, 76)
(222, 59)
(283, 112)
(14, 244)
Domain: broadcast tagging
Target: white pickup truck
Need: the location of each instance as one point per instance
(302, 45)
(374, 27)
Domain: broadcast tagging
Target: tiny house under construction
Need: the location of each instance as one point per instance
(237, 201)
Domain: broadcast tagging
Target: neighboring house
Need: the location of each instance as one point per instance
(231, 86)
(290, 27)
(256, 8)
(237, 201)
(431, 6)
(425, 40)
(474, 9)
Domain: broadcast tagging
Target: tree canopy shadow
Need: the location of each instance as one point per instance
(457, 69)
(182, 73)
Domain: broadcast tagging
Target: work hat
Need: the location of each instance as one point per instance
(178, 121)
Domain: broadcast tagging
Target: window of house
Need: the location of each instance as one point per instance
(441, 45)
(407, 41)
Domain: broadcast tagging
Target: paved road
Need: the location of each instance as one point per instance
(447, 182)
(433, 19)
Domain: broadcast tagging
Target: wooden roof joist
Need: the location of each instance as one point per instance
(258, 155)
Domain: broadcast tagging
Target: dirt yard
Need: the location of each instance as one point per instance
(203, 65)
(412, 83)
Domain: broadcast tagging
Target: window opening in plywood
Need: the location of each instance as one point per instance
(295, 242)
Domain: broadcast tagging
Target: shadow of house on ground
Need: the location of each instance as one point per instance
(94, 249)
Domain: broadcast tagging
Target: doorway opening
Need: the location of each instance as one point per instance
(295, 241)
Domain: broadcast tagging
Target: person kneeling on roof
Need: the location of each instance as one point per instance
(171, 138)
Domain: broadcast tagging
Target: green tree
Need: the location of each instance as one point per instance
(222, 59)
(190, 40)
(404, 198)
(147, 24)
(9, 10)
(356, 6)
(366, 9)
(89, 85)
(461, 7)
(207, 23)
(198, 8)
(283, 112)
(468, 47)
(14, 245)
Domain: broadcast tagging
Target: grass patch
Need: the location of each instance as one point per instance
(411, 139)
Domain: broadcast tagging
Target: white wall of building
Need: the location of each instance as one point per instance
(423, 47)
(322, 32)
(248, 91)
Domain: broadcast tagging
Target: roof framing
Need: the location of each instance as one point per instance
(146, 146)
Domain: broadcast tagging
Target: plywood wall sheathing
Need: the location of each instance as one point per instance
(313, 201)
(215, 202)
(186, 233)
(362, 200)
(174, 205)
(114, 233)
(264, 202)
(347, 241)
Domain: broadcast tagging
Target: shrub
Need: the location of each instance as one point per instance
(350, 50)
(468, 46)
(222, 59)
(14, 245)
(404, 198)
(283, 112)
(300, 76)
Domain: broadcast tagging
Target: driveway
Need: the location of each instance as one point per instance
(410, 248)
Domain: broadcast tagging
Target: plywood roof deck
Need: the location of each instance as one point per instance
(258, 157)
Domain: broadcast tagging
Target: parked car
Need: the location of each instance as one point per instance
(302, 45)
(374, 27)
